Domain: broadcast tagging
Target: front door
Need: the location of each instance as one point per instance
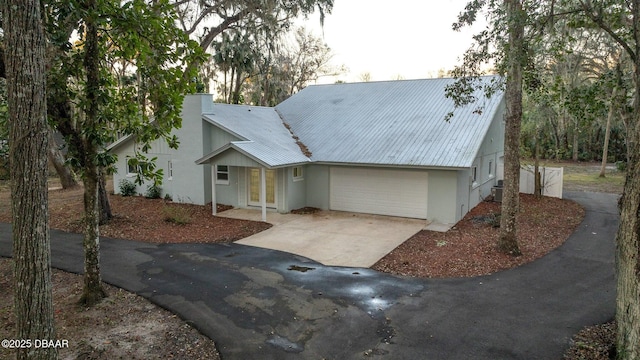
(254, 187)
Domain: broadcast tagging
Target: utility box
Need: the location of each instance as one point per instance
(496, 192)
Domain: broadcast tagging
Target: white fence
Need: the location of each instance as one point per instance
(550, 179)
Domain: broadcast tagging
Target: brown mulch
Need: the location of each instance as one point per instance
(593, 343)
(469, 248)
(149, 220)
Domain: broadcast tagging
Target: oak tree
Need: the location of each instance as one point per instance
(27, 119)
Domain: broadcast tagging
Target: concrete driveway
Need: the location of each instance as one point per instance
(331, 238)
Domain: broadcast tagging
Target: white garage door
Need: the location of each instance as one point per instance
(379, 191)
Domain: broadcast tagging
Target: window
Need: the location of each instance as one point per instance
(170, 169)
(131, 169)
(474, 174)
(490, 168)
(297, 173)
(222, 174)
(134, 166)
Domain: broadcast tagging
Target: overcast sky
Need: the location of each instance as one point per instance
(407, 38)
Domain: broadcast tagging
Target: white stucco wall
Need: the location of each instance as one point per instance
(188, 181)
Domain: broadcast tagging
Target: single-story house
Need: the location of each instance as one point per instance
(374, 147)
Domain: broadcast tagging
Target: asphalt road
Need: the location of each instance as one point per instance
(262, 304)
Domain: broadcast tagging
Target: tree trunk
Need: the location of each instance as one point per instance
(537, 184)
(26, 84)
(628, 235)
(103, 196)
(93, 291)
(508, 241)
(576, 132)
(67, 179)
(235, 98)
(628, 259)
(607, 132)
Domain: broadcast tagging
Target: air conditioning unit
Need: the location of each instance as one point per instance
(496, 192)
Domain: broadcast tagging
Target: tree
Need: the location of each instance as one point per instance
(286, 67)
(254, 27)
(93, 103)
(222, 15)
(508, 241)
(509, 57)
(25, 70)
(621, 20)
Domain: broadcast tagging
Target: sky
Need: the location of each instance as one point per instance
(409, 39)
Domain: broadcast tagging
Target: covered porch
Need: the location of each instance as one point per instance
(243, 179)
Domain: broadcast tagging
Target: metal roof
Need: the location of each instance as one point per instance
(395, 123)
(264, 136)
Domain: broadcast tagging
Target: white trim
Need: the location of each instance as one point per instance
(300, 173)
(263, 192)
(214, 207)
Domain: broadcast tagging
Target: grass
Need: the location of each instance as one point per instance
(613, 182)
(616, 178)
(177, 215)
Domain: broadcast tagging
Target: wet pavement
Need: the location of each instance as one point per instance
(265, 304)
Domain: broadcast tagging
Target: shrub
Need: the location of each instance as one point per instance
(168, 197)
(177, 215)
(153, 192)
(621, 166)
(127, 188)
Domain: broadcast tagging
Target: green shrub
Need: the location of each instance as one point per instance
(127, 188)
(621, 166)
(177, 215)
(153, 192)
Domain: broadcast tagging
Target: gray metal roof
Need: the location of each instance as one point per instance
(396, 123)
(264, 137)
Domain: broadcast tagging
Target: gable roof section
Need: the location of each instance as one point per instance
(265, 139)
(395, 123)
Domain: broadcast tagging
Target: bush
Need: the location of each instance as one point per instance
(176, 214)
(153, 192)
(127, 188)
(621, 166)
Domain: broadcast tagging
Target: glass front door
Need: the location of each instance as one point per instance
(254, 187)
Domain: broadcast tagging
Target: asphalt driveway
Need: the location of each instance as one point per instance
(256, 305)
(331, 237)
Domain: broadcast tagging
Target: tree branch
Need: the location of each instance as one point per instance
(596, 17)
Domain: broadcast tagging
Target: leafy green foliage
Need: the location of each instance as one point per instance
(127, 188)
(153, 192)
(141, 80)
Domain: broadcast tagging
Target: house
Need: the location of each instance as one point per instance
(375, 147)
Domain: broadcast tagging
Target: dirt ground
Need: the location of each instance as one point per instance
(123, 326)
(129, 327)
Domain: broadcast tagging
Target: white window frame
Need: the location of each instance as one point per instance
(131, 170)
(297, 173)
(491, 174)
(224, 172)
(170, 170)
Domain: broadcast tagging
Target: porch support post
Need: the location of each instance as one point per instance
(214, 208)
(263, 192)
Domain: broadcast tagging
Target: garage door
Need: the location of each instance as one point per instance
(379, 191)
